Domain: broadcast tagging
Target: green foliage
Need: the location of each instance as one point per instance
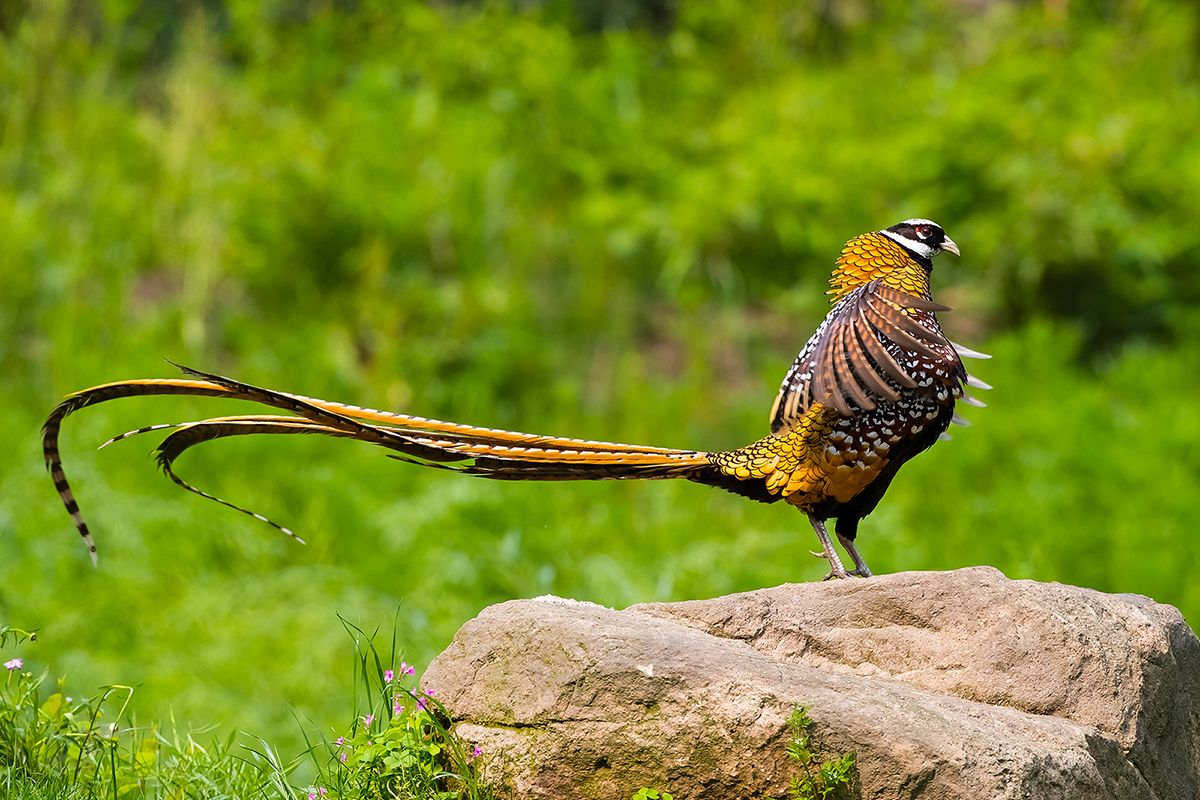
(401, 747)
(818, 778)
(53, 745)
(508, 217)
(470, 166)
(652, 794)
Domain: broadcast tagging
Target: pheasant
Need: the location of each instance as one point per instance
(875, 385)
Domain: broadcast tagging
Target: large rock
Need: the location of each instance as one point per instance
(947, 685)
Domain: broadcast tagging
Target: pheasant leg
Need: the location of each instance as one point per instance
(836, 570)
(860, 566)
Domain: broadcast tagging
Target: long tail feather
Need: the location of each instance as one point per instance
(505, 465)
(485, 452)
(88, 397)
(315, 409)
(193, 433)
(456, 452)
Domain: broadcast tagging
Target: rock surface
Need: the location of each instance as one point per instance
(960, 684)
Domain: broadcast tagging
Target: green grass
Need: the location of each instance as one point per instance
(515, 220)
(56, 745)
(398, 745)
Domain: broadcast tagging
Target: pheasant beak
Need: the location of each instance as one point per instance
(949, 246)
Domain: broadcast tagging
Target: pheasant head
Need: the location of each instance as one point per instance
(901, 256)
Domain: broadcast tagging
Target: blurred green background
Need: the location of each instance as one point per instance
(588, 219)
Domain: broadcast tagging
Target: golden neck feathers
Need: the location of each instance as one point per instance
(872, 256)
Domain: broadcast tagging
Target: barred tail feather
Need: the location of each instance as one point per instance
(473, 450)
(100, 394)
(193, 433)
(322, 410)
(120, 437)
(456, 454)
(208, 386)
(183, 484)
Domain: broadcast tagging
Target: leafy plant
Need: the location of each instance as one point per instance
(401, 746)
(818, 779)
(652, 794)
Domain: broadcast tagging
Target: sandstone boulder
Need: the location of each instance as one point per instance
(961, 684)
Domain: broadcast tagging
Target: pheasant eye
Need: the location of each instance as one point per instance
(923, 231)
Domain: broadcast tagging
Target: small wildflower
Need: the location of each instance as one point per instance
(14, 664)
(406, 668)
(342, 756)
(341, 740)
(421, 704)
(368, 719)
(388, 676)
(476, 751)
(397, 707)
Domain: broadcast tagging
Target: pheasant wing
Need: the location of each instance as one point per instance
(860, 355)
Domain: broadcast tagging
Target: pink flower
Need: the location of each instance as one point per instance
(367, 720)
(421, 704)
(388, 676)
(406, 669)
(476, 751)
(397, 707)
(14, 664)
(341, 740)
(342, 756)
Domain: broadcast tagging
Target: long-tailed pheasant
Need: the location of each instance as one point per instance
(873, 387)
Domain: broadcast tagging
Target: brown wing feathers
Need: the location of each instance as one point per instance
(851, 366)
(880, 356)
